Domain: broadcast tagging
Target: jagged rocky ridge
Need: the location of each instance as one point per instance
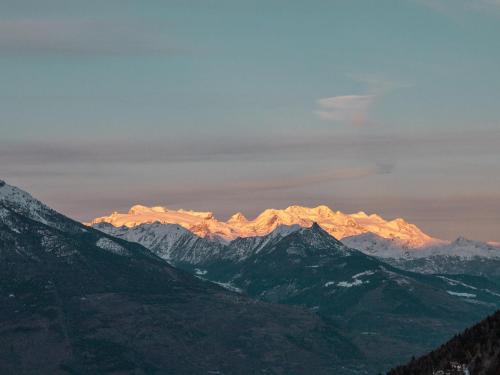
(76, 300)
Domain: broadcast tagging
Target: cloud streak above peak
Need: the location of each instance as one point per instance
(349, 109)
(354, 109)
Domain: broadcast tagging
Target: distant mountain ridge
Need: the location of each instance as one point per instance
(461, 256)
(336, 223)
(397, 242)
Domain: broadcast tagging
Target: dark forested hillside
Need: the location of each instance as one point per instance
(476, 351)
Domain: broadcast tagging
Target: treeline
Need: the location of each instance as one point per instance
(476, 351)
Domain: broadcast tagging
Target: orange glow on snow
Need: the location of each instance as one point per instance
(338, 224)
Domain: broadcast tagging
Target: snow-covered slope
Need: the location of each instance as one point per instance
(20, 202)
(23, 203)
(461, 256)
(465, 248)
(203, 224)
(372, 244)
(336, 223)
(462, 248)
(178, 245)
(169, 241)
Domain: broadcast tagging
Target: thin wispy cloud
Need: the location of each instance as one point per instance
(79, 38)
(203, 150)
(354, 109)
(350, 109)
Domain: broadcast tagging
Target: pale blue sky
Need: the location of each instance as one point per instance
(386, 106)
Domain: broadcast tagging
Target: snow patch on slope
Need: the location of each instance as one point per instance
(453, 282)
(465, 295)
(347, 284)
(355, 280)
(111, 246)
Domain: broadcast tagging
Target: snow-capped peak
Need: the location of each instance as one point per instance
(238, 217)
(140, 209)
(336, 223)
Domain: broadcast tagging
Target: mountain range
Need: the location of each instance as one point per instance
(396, 242)
(388, 313)
(74, 300)
(336, 223)
(157, 297)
